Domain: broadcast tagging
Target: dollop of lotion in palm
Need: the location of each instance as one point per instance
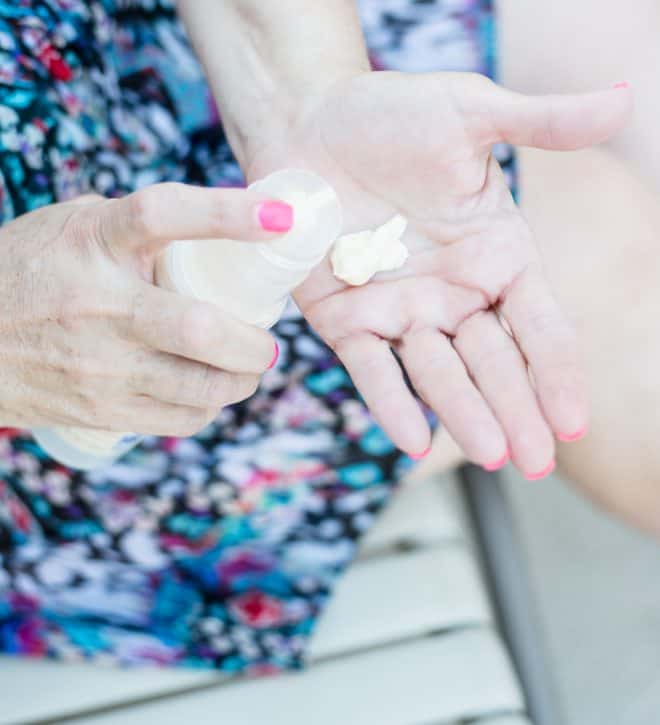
(356, 258)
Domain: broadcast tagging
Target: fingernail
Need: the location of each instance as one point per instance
(275, 356)
(571, 437)
(490, 467)
(419, 456)
(275, 216)
(541, 474)
(622, 84)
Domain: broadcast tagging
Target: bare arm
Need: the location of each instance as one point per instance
(590, 44)
(266, 60)
(294, 88)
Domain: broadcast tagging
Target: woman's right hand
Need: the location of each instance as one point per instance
(86, 339)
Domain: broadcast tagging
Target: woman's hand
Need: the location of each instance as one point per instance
(294, 89)
(420, 145)
(87, 340)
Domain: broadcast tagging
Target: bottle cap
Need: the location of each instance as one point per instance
(252, 280)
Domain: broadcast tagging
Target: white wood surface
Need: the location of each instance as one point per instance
(437, 679)
(422, 513)
(31, 691)
(393, 598)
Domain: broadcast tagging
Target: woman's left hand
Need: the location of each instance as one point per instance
(471, 314)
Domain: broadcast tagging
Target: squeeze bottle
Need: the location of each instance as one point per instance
(250, 280)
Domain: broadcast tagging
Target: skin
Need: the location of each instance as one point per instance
(257, 95)
(598, 211)
(474, 274)
(99, 345)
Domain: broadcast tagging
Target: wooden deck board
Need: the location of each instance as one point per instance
(436, 679)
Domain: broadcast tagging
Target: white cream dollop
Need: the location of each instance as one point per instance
(356, 258)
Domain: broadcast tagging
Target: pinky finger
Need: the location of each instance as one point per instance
(378, 377)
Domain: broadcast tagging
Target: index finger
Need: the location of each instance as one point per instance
(150, 218)
(198, 331)
(550, 345)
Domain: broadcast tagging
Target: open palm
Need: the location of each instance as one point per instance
(470, 315)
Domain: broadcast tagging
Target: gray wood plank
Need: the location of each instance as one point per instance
(436, 679)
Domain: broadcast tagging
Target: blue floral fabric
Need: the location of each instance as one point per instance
(219, 550)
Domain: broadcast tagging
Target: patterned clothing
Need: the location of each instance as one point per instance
(218, 550)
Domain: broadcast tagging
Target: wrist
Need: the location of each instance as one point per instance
(268, 63)
(279, 117)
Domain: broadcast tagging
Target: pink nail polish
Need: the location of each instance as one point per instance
(571, 437)
(490, 467)
(622, 84)
(275, 356)
(541, 474)
(419, 456)
(275, 216)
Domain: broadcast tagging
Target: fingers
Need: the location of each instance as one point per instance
(388, 308)
(378, 377)
(558, 122)
(500, 373)
(150, 218)
(550, 345)
(175, 380)
(440, 377)
(197, 331)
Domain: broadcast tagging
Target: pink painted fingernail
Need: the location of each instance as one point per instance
(622, 84)
(275, 356)
(490, 467)
(541, 474)
(419, 456)
(275, 216)
(571, 437)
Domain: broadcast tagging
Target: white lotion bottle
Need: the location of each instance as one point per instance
(250, 280)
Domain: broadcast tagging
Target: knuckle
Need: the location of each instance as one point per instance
(71, 311)
(209, 416)
(198, 326)
(423, 385)
(82, 225)
(494, 357)
(542, 322)
(138, 316)
(459, 397)
(81, 373)
(240, 388)
(224, 393)
(190, 423)
(218, 222)
(93, 407)
(145, 212)
(226, 389)
(209, 389)
(551, 331)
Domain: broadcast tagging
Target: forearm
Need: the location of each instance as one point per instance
(266, 61)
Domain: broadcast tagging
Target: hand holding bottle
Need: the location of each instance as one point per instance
(88, 340)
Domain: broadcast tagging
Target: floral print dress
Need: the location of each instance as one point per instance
(222, 549)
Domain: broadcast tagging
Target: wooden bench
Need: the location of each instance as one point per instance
(409, 638)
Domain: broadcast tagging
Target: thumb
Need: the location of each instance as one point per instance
(559, 122)
(151, 218)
